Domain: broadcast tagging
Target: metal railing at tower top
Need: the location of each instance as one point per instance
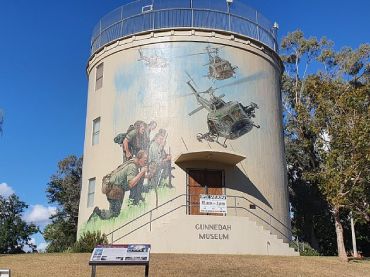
(231, 16)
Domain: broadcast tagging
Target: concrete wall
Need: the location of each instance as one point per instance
(152, 86)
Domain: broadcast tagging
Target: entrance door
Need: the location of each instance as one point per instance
(203, 182)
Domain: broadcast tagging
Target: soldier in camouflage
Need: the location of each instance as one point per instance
(122, 179)
(159, 158)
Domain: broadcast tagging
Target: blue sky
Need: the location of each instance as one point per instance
(44, 49)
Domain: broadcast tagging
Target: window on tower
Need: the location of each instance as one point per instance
(91, 193)
(99, 76)
(96, 131)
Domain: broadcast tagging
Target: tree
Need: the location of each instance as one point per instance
(327, 128)
(64, 190)
(343, 113)
(14, 231)
(305, 197)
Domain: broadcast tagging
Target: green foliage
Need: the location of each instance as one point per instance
(307, 201)
(64, 190)
(327, 135)
(129, 213)
(88, 241)
(343, 110)
(304, 249)
(14, 231)
(363, 238)
(60, 234)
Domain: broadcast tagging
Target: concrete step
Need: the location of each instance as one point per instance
(210, 235)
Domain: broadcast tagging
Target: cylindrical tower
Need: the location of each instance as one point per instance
(184, 105)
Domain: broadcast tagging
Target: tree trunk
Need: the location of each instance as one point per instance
(340, 241)
(314, 242)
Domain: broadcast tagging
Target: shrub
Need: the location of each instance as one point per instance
(88, 241)
(304, 249)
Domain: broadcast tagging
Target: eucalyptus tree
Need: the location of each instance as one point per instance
(326, 116)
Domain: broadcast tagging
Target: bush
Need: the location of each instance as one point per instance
(88, 241)
(304, 249)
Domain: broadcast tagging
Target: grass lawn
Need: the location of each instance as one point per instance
(58, 265)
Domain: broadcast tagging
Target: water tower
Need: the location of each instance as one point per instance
(183, 144)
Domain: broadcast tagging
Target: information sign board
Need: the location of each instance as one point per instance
(4, 272)
(120, 254)
(213, 203)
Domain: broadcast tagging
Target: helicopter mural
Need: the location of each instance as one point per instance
(218, 68)
(152, 61)
(228, 120)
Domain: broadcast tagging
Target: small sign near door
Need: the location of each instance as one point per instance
(213, 203)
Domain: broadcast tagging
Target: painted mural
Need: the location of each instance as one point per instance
(146, 166)
(225, 119)
(164, 94)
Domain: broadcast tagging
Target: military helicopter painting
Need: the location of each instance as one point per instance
(218, 68)
(229, 120)
(152, 61)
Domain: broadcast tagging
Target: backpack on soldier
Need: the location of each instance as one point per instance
(107, 184)
(121, 136)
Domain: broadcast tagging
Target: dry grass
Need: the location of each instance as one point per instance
(58, 265)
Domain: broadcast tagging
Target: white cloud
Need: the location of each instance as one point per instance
(42, 246)
(39, 214)
(26, 248)
(5, 190)
(32, 240)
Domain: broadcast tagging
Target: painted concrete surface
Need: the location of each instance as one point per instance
(168, 78)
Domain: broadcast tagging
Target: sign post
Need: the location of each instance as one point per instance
(120, 254)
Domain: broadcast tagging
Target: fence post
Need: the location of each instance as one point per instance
(153, 20)
(99, 34)
(229, 15)
(121, 31)
(192, 13)
(257, 26)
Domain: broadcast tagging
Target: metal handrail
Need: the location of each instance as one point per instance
(111, 35)
(262, 209)
(190, 204)
(150, 222)
(148, 212)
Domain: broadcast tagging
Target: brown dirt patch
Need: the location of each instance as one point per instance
(58, 265)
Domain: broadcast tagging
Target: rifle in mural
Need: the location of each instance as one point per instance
(170, 168)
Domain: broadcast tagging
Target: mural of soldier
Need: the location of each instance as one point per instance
(135, 139)
(128, 175)
(159, 159)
